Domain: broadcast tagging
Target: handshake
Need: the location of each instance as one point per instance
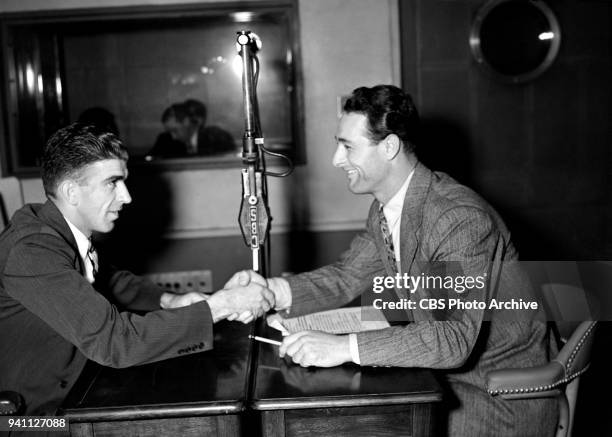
(244, 297)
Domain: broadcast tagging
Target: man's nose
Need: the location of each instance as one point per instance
(123, 195)
(339, 156)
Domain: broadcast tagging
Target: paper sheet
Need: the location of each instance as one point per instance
(339, 321)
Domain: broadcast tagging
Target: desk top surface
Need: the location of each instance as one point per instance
(217, 382)
(280, 384)
(205, 383)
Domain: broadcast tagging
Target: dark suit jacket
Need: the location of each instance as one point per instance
(167, 147)
(52, 319)
(443, 221)
(212, 140)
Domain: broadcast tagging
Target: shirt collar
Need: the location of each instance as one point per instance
(193, 141)
(81, 240)
(393, 208)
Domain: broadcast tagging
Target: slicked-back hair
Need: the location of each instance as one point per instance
(196, 110)
(177, 111)
(191, 109)
(389, 110)
(74, 147)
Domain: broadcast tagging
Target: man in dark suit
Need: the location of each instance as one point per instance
(60, 305)
(421, 224)
(186, 133)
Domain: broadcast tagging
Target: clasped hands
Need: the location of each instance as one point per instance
(244, 297)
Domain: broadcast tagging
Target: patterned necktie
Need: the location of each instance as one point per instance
(92, 256)
(386, 233)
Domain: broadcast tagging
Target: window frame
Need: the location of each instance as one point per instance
(9, 122)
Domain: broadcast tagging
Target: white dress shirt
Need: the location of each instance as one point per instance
(393, 213)
(83, 244)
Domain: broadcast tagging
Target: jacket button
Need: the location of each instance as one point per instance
(63, 383)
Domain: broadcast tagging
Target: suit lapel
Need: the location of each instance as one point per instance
(412, 215)
(412, 219)
(51, 215)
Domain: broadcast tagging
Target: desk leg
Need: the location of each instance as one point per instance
(81, 430)
(423, 419)
(273, 423)
(228, 426)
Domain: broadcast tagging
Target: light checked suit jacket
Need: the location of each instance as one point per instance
(442, 221)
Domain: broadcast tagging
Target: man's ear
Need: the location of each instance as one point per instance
(392, 146)
(67, 190)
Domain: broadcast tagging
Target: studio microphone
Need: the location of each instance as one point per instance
(253, 216)
(254, 219)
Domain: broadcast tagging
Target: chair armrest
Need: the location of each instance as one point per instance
(531, 382)
(11, 403)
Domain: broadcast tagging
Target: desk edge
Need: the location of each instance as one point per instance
(151, 412)
(343, 401)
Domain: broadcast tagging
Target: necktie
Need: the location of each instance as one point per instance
(92, 256)
(386, 233)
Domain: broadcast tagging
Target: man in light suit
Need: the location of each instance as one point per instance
(431, 220)
(60, 305)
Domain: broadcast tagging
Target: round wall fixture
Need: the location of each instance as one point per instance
(515, 40)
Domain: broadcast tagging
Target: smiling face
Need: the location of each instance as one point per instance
(100, 195)
(363, 160)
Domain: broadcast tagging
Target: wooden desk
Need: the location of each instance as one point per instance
(342, 401)
(198, 394)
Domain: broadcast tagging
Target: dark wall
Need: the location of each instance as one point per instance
(290, 252)
(540, 151)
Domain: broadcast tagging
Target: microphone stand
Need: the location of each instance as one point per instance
(253, 216)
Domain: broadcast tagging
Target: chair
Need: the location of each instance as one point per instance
(11, 403)
(559, 378)
(11, 199)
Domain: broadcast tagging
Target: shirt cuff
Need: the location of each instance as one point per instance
(282, 293)
(354, 348)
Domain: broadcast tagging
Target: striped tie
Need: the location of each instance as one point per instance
(386, 233)
(92, 256)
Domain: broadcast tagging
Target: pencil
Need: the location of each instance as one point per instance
(265, 340)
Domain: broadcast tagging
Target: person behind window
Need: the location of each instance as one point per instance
(186, 134)
(210, 140)
(172, 143)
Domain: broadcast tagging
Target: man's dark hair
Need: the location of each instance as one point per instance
(74, 147)
(192, 109)
(389, 111)
(196, 110)
(177, 111)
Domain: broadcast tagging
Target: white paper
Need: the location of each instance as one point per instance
(339, 321)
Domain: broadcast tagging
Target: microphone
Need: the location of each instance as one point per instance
(253, 216)
(247, 37)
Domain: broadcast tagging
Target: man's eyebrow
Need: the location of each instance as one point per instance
(114, 178)
(341, 139)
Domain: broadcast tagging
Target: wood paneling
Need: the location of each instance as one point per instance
(539, 152)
